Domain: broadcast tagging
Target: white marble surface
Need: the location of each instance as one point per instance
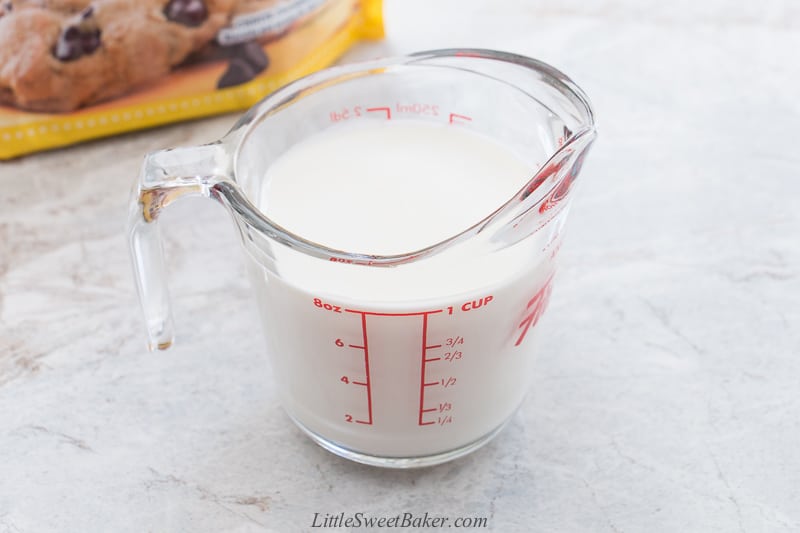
(667, 390)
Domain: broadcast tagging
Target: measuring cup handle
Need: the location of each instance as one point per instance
(165, 176)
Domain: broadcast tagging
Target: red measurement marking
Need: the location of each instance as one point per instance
(535, 308)
(417, 108)
(386, 109)
(425, 348)
(422, 383)
(429, 410)
(454, 116)
(366, 371)
(356, 346)
(359, 383)
(393, 314)
(422, 371)
(453, 356)
(452, 341)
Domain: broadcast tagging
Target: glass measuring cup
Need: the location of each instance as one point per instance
(390, 360)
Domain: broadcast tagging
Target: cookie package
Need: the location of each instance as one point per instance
(73, 70)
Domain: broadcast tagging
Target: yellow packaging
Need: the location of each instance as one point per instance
(73, 70)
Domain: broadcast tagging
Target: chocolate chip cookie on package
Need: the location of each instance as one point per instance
(58, 55)
(74, 70)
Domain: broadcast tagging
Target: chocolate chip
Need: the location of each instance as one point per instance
(254, 55)
(238, 72)
(75, 42)
(187, 12)
(247, 61)
(68, 46)
(90, 42)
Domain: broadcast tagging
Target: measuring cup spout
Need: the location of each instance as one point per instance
(546, 195)
(165, 177)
